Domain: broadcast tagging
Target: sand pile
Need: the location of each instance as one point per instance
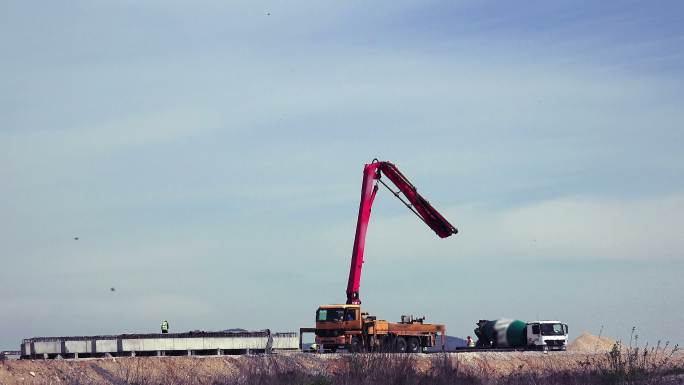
(587, 343)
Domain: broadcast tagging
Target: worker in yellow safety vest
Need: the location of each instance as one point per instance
(470, 342)
(165, 326)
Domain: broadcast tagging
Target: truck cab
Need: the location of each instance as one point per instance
(551, 335)
(336, 325)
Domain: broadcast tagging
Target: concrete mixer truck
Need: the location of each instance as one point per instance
(516, 334)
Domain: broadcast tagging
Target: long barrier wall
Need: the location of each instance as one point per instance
(193, 343)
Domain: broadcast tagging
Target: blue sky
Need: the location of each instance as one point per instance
(209, 155)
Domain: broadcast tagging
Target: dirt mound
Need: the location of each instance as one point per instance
(587, 343)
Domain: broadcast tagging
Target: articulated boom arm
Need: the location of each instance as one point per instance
(421, 207)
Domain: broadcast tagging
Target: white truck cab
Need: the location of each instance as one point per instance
(551, 335)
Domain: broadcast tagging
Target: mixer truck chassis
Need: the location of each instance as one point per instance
(535, 335)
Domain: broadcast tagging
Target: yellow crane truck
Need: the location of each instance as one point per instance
(346, 326)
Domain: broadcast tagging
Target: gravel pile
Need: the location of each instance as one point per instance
(589, 343)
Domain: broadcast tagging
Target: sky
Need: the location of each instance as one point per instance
(208, 157)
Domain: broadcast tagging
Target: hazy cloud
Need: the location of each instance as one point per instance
(209, 156)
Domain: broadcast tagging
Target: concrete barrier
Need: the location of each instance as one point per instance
(193, 343)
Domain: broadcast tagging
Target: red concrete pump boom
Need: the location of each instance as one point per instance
(421, 207)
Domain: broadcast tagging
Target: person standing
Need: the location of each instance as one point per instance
(470, 343)
(165, 326)
(269, 342)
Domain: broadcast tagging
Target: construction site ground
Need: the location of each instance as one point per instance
(226, 369)
(585, 354)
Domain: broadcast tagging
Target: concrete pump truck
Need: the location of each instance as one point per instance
(346, 325)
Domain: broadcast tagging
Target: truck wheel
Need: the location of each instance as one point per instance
(413, 345)
(354, 346)
(386, 345)
(400, 345)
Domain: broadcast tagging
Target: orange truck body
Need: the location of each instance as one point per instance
(347, 327)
